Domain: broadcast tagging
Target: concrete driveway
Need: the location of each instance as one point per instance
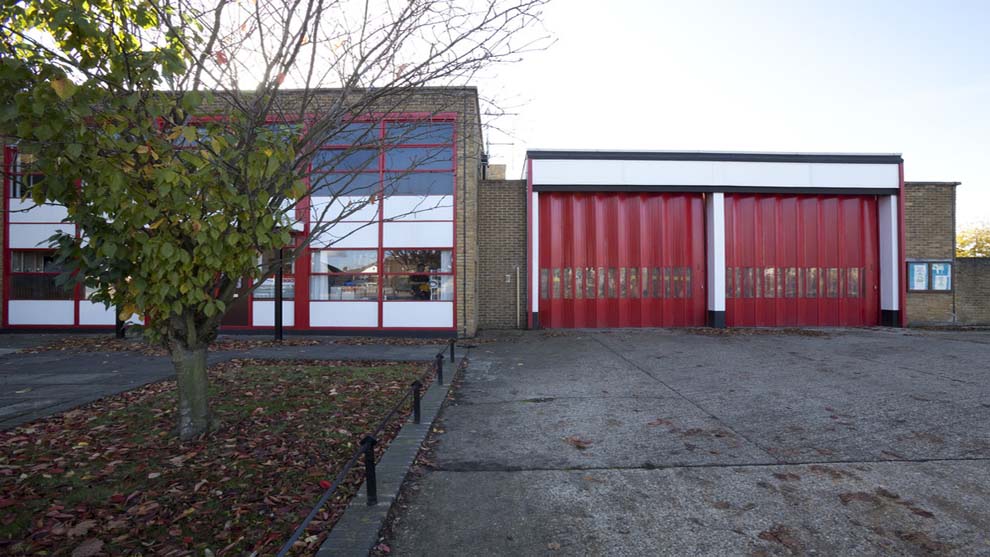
(850, 442)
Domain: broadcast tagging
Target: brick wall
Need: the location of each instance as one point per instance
(929, 234)
(502, 238)
(972, 290)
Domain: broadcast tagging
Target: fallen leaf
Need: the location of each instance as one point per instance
(88, 548)
(578, 443)
(553, 546)
(82, 528)
(154, 475)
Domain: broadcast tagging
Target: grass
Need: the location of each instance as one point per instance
(112, 475)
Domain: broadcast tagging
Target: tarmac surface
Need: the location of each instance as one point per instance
(664, 442)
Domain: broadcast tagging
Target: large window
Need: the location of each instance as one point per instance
(32, 276)
(418, 275)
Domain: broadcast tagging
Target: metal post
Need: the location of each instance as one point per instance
(278, 298)
(369, 469)
(119, 330)
(416, 388)
(452, 360)
(440, 368)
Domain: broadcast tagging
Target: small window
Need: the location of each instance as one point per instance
(612, 283)
(832, 284)
(748, 283)
(769, 284)
(687, 282)
(602, 292)
(622, 282)
(657, 283)
(790, 282)
(544, 284)
(568, 283)
(852, 283)
(556, 284)
(811, 282)
(634, 282)
(589, 279)
(578, 283)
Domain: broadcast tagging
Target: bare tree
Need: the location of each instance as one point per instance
(194, 128)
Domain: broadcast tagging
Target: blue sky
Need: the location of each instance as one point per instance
(870, 76)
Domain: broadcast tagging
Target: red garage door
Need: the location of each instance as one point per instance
(801, 260)
(621, 260)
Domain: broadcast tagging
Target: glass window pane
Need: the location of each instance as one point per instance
(544, 284)
(941, 276)
(729, 282)
(613, 283)
(602, 293)
(556, 284)
(343, 287)
(419, 183)
(418, 261)
(578, 283)
(738, 281)
(345, 160)
(266, 290)
(748, 286)
(419, 132)
(622, 282)
(568, 284)
(351, 134)
(666, 283)
(418, 287)
(633, 282)
(852, 283)
(590, 283)
(656, 282)
(420, 158)
(337, 185)
(811, 282)
(769, 283)
(38, 287)
(790, 283)
(345, 261)
(833, 283)
(687, 282)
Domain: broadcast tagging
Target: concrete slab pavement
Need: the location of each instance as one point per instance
(866, 442)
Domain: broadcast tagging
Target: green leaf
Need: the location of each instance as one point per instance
(63, 88)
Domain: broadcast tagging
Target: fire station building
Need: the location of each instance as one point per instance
(588, 239)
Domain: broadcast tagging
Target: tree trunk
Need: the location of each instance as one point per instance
(194, 409)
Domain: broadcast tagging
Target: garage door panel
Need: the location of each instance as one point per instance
(621, 260)
(801, 260)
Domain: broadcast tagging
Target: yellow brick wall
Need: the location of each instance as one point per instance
(502, 236)
(929, 233)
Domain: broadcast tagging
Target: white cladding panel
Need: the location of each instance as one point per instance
(95, 313)
(35, 236)
(889, 253)
(263, 313)
(27, 211)
(328, 209)
(715, 250)
(348, 235)
(714, 173)
(41, 312)
(414, 207)
(418, 235)
(534, 242)
(343, 314)
(418, 314)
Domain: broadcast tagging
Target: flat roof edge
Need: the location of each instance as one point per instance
(931, 183)
(716, 156)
